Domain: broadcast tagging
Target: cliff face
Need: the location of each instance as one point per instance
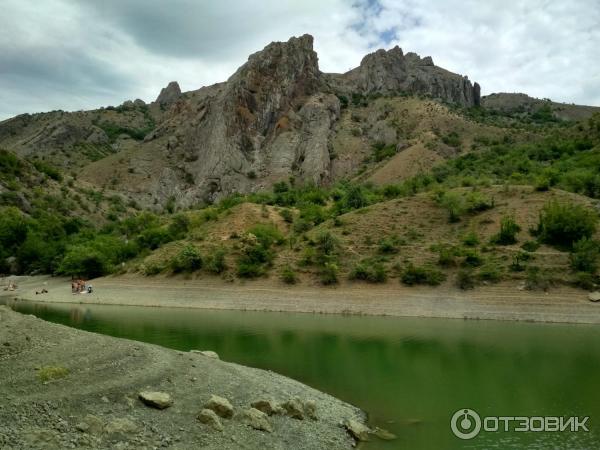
(275, 117)
(393, 72)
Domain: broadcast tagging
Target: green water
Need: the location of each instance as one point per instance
(409, 374)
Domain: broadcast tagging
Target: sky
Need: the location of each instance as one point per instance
(83, 54)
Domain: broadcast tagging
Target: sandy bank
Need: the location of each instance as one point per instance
(504, 301)
(96, 404)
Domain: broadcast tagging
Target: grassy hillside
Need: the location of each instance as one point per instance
(509, 201)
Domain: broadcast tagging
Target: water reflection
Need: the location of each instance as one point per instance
(409, 374)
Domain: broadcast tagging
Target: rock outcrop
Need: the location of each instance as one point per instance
(393, 72)
(169, 94)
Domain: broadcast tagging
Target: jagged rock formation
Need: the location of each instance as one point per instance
(278, 116)
(393, 72)
(169, 94)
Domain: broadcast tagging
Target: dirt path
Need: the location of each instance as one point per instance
(500, 302)
(94, 403)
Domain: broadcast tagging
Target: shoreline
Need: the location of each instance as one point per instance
(75, 389)
(502, 301)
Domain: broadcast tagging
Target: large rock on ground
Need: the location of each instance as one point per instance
(220, 406)
(158, 400)
(256, 419)
(209, 417)
(357, 430)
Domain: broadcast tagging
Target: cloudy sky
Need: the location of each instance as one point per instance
(81, 54)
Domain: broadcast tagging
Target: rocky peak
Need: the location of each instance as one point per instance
(272, 80)
(391, 71)
(169, 94)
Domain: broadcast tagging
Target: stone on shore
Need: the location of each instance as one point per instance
(220, 405)
(594, 296)
(267, 406)
(208, 353)
(158, 400)
(294, 408)
(357, 430)
(310, 409)
(208, 417)
(256, 419)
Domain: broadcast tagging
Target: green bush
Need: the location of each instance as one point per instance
(563, 224)
(446, 255)
(329, 273)
(388, 245)
(537, 279)
(454, 204)
(371, 271)
(490, 272)
(215, 263)
(584, 256)
(465, 279)
(472, 258)
(422, 275)
(288, 275)
(585, 280)
(267, 234)
(508, 231)
(530, 246)
(471, 239)
(188, 259)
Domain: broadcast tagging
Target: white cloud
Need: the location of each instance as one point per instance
(74, 55)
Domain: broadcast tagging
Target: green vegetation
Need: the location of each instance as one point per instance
(368, 270)
(288, 275)
(584, 256)
(412, 275)
(508, 231)
(563, 224)
(188, 259)
(49, 373)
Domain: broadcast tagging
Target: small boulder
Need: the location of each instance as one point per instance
(90, 424)
(256, 419)
(357, 430)
(267, 406)
(310, 409)
(158, 400)
(208, 353)
(594, 296)
(120, 427)
(294, 408)
(208, 417)
(220, 405)
(384, 434)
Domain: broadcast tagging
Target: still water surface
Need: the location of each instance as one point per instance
(409, 374)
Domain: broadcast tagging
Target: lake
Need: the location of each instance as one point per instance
(409, 374)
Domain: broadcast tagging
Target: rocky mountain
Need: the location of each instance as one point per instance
(516, 103)
(277, 117)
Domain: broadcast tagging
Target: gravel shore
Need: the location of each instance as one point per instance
(65, 388)
(503, 301)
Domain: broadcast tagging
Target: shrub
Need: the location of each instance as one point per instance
(472, 259)
(465, 279)
(490, 272)
(537, 279)
(266, 234)
(454, 204)
(187, 260)
(471, 239)
(446, 255)
(422, 275)
(215, 263)
(563, 224)
(373, 272)
(152, 268)
(584, 256)
(518, 260)
(288, 275)
(530, 246)
(326, 243)
(48, 373)
(287, 215)
(585, 280)
(508, 231)
(388, 246)
(329, 273)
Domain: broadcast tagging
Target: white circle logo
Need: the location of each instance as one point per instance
(465, 424)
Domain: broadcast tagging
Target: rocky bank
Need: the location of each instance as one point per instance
(64, 388)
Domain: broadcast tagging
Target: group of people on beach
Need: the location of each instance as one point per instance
(79, 286)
